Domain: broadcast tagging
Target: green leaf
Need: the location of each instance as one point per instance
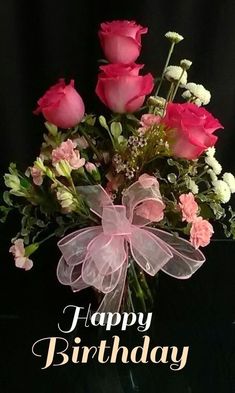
(7, 198)
(4, 211)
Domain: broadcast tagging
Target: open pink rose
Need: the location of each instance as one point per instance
(201, 232)
(191, 129)
(18, 252)
(188, 206)
(121, 40)
(61, 105)
(121, 88)
(66, 152)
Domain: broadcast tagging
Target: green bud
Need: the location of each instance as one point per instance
(12, 181)
(116, 129)
(103, 122)
(51, 128)
(63, 168)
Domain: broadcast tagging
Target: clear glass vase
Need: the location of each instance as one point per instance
(140, 289)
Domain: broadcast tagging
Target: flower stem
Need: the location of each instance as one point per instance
(177, 85)
(138, 290)
(165, 67)
(91, 144)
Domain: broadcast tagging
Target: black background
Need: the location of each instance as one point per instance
(41, 41)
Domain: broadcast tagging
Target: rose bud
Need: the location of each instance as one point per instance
(190, 129)
(121, 88)
(121, 40)
(61, 105)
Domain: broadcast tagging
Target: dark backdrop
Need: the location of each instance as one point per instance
(41, 41)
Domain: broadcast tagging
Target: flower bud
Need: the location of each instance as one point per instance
(93, 171)
(12, 181)
(63, 168)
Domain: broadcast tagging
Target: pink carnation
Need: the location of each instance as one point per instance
(18, 252)
(36, 174)
(201, 232)
(151, 210)
(66, 152)
(188, 206)
(148, 120)
(147, 181)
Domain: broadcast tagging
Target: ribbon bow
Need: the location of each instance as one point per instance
(98, 256)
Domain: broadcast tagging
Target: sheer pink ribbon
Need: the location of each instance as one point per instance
(98, 256)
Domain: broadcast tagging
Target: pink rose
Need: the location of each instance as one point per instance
(121, 40)
(191, 129)
(201, 232)
(61, 105)
(66, 152)
(152, 210)
(121, 88)
(188, 206)
(18, 252)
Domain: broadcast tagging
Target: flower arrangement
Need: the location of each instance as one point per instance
(127, 190)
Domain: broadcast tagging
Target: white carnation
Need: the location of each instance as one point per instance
(199, 92)
(174, 37)
(210, 152)
(230, 180)
(174, 73)
(214, 164)
(222, 190)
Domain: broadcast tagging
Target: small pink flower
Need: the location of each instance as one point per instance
(36, 174)
(201, 232)
(18, 252)
(66, 152)
(149, 120)
(147, 181)
(151, 210)
(90, 167)
(188, 206)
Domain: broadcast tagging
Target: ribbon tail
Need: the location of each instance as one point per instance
(112, 301)
(149, 251)
(186, 259)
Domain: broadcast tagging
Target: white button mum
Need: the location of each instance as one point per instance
(212, 175)
(214, 164)
(174, 73)
(174, 37)
(230, 180)
(186, 64)
(210, 152)
(199, 92)
(192, 186)
(222, 191)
